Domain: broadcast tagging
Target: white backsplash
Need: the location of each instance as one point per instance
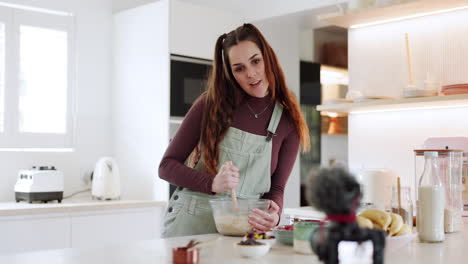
(387, 139)
(438, 45)
(377, 66)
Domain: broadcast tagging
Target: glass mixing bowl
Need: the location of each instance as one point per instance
(231, 221)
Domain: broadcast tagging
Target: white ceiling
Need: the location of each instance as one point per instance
(237, 6)
(305, 11)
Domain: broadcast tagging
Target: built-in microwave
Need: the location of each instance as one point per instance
(189, 77)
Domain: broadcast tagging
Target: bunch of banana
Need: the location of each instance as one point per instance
(390, 223)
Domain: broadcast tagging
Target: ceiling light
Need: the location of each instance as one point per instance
(408, 17)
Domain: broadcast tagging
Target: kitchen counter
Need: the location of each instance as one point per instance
(305, 212)
(82, 203)
(453, 250)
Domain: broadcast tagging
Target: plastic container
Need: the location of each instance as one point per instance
(465, 178)
(232, 221)
(283, 236)
(302, 233)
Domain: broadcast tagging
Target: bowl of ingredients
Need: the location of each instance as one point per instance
(262, 237)
(284, 234)
(250, 248)
(234, 221)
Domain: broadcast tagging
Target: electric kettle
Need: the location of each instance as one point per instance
(106, 180)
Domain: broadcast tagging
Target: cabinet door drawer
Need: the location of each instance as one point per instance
(98, 228)
(39, 232)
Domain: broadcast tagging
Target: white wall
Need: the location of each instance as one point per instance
(194, 29)
(141, 98)
(333, 147)
(306, 45)
(377, 54)
(378, 67)
(93, 126)
(283, 35)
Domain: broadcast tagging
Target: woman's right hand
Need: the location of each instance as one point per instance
(226, 179)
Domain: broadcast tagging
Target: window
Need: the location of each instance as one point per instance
(39, 84)
(36, 79)
(2, 76)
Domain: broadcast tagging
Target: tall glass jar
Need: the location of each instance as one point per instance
(451, 176)
(431, 201)
(402, 204)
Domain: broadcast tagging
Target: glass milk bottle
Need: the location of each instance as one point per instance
(431, 201)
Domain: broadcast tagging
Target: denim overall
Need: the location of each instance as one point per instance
(189, 212)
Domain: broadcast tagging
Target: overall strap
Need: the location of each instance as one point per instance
(274, 121)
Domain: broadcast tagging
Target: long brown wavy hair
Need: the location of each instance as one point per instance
(224, 94)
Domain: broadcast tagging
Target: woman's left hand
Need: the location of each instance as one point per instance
(265, 221)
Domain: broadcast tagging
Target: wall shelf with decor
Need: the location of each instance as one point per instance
(395, 12)
(444, 101)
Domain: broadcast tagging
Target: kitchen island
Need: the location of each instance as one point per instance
(453, 250)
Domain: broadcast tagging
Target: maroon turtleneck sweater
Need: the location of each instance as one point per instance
(284, 152)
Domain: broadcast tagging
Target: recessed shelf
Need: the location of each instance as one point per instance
(398, 104)
(176, 120)
(393, 12)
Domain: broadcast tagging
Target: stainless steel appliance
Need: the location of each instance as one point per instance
(188, 81)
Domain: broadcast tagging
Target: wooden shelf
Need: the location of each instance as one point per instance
(398, 104)
(392, 12)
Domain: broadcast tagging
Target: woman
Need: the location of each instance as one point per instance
(243, 132)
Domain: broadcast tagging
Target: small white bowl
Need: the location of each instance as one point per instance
(270, 241)
(252, 251)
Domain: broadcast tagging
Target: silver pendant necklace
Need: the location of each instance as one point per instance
(257, 114)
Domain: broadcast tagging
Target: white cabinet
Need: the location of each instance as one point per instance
(37, 232)
(141, 98)
(79, 228)
(93, 229)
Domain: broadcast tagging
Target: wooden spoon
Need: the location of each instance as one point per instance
(235, 204)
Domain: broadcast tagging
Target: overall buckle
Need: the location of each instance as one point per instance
(270, 135)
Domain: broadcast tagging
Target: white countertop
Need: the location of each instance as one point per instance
(305, 212)
(452, 250)
(80, 203)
